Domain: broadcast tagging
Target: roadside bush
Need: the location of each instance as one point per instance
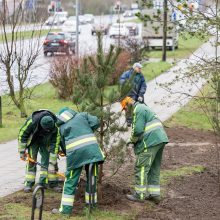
(122, 64)
(136, 48)
(62, 76)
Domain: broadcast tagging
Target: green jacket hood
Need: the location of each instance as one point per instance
(64, 115)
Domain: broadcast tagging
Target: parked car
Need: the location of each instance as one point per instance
(104, 28)
(59, 42)
(82, 19)
(89, 18)
(117, 30)
(128, 13)
(70, 26)
(133, 28)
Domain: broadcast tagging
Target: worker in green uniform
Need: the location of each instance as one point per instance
(40, 134)
(81, 148)
(148, 139)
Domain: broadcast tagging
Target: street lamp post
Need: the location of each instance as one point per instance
(77, 29)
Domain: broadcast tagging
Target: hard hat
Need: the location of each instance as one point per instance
(126, 101)
(47, 123)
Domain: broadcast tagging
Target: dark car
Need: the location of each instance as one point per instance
(132, 27)
(103, 28)
(59, 42)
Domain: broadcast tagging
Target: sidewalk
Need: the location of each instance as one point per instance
(12, 169)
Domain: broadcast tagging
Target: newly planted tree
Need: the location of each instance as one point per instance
(93, 94)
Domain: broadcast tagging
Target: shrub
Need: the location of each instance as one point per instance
(62, 76)
(122, 65)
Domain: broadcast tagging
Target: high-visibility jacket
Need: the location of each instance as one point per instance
(78, 139)
(147, 129)
(31, 134)
(138, 83)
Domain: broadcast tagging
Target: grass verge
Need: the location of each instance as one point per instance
(167, 175)
(23, 35)
(154, 69)
(191, 116)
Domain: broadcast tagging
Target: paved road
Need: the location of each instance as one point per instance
(12, 169)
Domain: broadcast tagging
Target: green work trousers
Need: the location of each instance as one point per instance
(31, 168)
(70, 184)
(147, 171)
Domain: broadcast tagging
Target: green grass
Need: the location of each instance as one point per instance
(44, 97)
(191, 116)
(168, 175)
(22, 35)
(187, 45)
(154, 69)
(21, 212)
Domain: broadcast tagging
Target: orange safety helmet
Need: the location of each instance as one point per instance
(125, 102)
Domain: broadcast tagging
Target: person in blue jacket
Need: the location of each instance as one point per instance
(138, 85)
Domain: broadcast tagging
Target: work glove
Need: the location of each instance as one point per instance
(23, 155)
(140, 99)
(51, 169)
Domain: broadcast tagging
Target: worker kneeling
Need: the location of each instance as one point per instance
(81, 148)
(148, 139)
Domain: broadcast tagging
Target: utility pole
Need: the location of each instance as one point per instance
(0, 112)
(164, 55)
(77, 30)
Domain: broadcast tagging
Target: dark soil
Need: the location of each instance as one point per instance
(188, 197)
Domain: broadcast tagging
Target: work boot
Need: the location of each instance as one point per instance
(57, 189)
(155, 199)
(27, 189)
(134, 198)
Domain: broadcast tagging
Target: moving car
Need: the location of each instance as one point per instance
(70, 26)
(57, 19)
(132, 27)
(59, 42)
(118, 29)
(104, 28)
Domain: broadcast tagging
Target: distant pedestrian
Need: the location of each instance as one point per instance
(138, 85)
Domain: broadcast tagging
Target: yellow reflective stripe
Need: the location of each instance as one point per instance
(80, 142)
(52, 175)
(64, 115)
(142, 175)
(147, 128)
(87, 197)
(95, 170)
(140, 189)
(68, 200)
(71, 174)
(154, 189)
(30, 176)
(57, 141)
(24, 128)
(44, 172)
